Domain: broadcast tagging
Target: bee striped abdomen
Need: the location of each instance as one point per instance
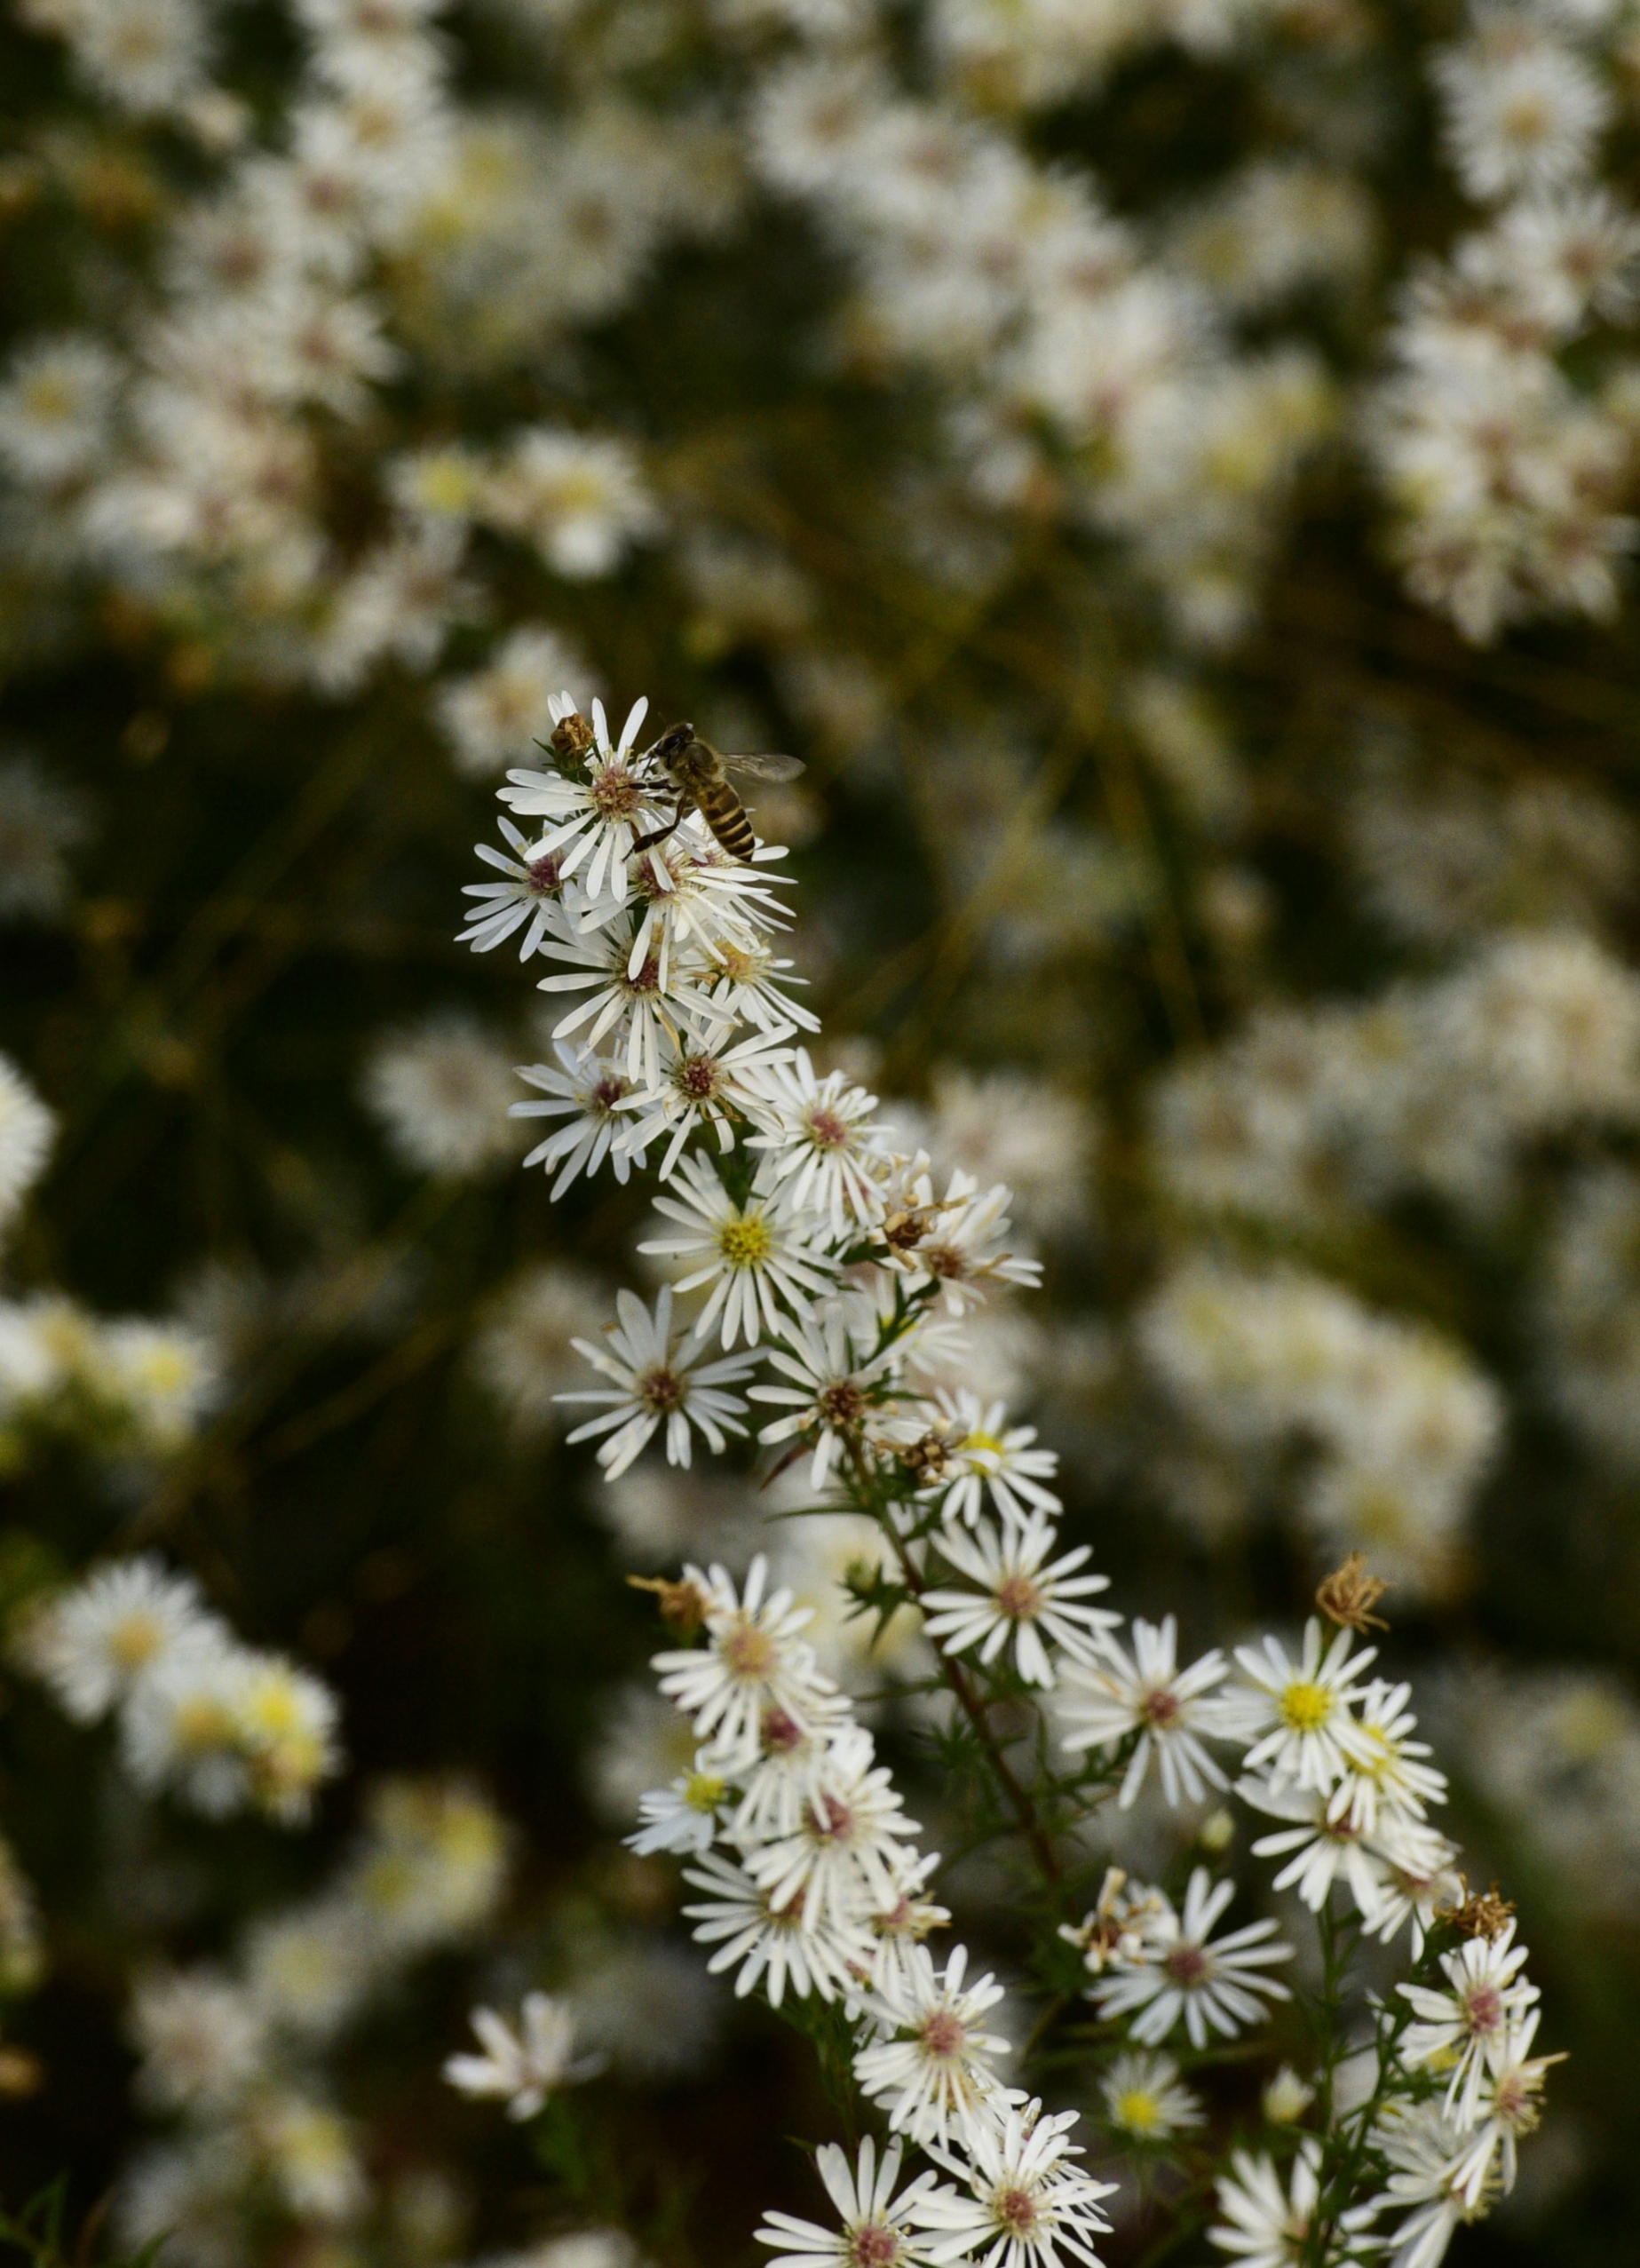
(725, 814)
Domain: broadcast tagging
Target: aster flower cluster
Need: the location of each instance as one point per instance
(237, 2055)
(823, 1261)
(218, 1724)
(1509, 477)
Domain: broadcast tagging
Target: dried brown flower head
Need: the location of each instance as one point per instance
(1349, 1595)
(1478, 1913)
(680, 1603)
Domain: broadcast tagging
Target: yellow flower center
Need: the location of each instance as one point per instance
(134, 1640)
(746, 1243)
(1138, 2111)
(1306, 1707)
(702, 1792)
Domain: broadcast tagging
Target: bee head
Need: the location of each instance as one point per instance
(672, 744)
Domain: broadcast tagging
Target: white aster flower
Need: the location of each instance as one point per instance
(703, 1082)
(1268, 2226)
(1427, 2154)
(1464, 2029)
(1507, 2107)
(201, 2038)
(1184, 1975)
(525, 2066)
(646, 1002)
(1420, 1878)
(774, 1946)
(1522, 108)
(988, 1455)
(586, 1091)
(683, 1818)
(532, 899)
(26, 1128)
(932, 2070)
(1022, 1597)
(901, 1927)
(824, 1156)
(1295, 1716)
(441, 1093)
(498, 713)
(92, 1644)
(838, 1391)
(657, 1378)
(579, 498)
(753, 1662)
(955, 1243)
(1171, 1710)
(755, 1259)
(54, 407)
(849, 1842)
(1145, 2099)
(1026, 2202)
(1324, 1847)
(592, 822)
(746, 985)
(877, 2230)
(1391, 1778)
(776, 1791)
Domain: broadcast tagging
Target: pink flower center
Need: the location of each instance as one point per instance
(606, 1094)
(614, 792)
(546, 879)
(833, 1820)
(662, 1389)
(781, 1733)
(750, 1652)
(1186, 1965)
(943, 2035)
(1019, 1598)
(1483, 2009)
(827, 1130)
(1160, 1707)
(1015, 2210)
(874, 2246)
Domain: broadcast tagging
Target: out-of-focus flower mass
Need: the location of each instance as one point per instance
(855, 1481)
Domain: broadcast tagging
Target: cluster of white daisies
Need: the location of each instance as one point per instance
(218, 1724)
(811, 1236)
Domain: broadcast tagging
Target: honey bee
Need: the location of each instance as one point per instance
(698, 777)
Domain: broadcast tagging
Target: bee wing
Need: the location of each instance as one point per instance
(764, 767)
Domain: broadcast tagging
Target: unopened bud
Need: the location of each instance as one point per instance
(680, 1603)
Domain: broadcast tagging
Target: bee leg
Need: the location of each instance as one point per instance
(648, 842)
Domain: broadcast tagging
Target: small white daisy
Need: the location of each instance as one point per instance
(532, 899)
(92, 1644)
(1295, 1716)
(1144, 2099)
(755, 1261)
(657, 1378)
(754, 1662)
(826, 1158)
(840, 1392)
(587, 1091)
(1171, 1711)
(931, 2070)
(875, 2233)
(850, 1838)
(1268, 2226)
(592, 822)
(525, 2066)
(988, 1455)
(773, 1946)
(683, 1818)
(1464, 2029)
(1021, 1597)
(1186, 1975)
(1025, 2202)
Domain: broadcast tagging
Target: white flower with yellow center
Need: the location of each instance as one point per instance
(92, 1644)
(983, 1453)
(1020, 1596)
(1295, 1717)
(1393, 1778)
(755, 1260)
(1145, 2100)
(682, 1819)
